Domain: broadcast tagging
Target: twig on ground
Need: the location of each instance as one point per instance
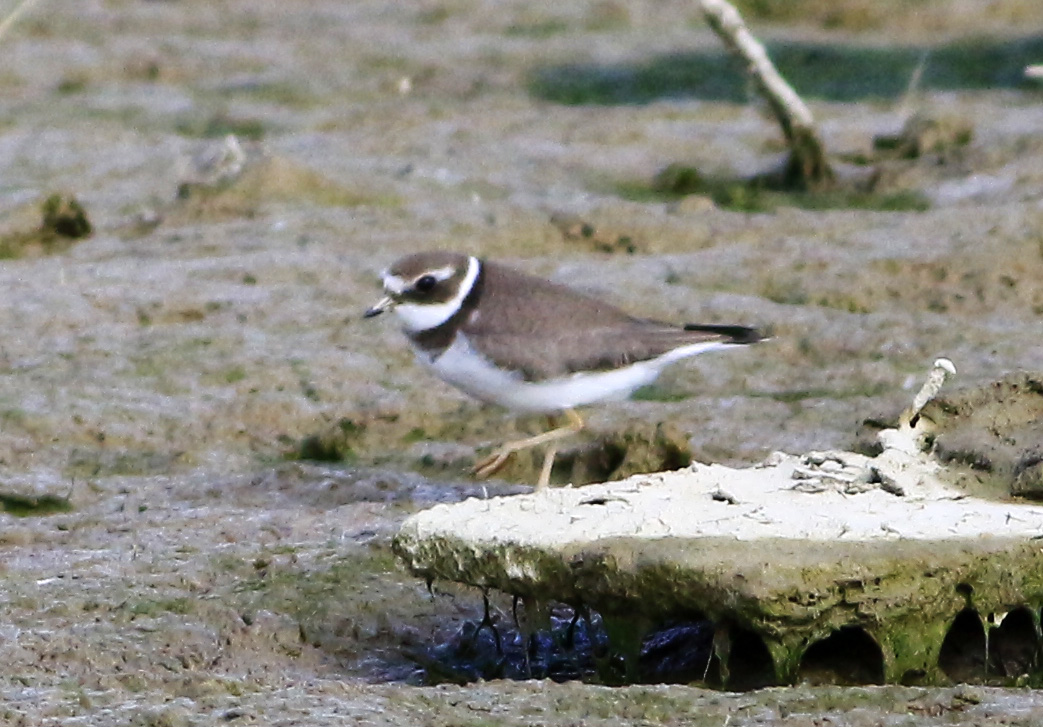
(935, 379)
(807, 166)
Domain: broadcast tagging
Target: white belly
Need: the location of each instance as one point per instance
(469, 371)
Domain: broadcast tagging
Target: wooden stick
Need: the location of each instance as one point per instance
(807, 165)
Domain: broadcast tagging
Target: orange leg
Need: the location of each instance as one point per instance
(495, 462)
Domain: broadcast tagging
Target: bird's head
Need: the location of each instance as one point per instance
(426, 289)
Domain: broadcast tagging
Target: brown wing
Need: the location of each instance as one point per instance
(542, 329)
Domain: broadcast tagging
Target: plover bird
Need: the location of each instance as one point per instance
(530, 345)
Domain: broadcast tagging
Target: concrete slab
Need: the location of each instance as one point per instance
(883, 554)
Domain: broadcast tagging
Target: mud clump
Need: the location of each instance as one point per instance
(64, 217)
(450, 443)
(991, 437)
(63, 221)
(580, 233)
(640, 448)
(266, 180)
(923, 135)
(21, 505)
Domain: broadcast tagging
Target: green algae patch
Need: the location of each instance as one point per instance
(349, 605)
(767, 194)
(33, 506)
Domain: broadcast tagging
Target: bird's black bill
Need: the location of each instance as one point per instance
(385, 304)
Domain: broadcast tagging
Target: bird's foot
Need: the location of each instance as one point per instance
(492, 464)
(489, 466)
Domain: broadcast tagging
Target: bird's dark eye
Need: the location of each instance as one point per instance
(425, 283)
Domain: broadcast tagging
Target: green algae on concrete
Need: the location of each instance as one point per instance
(880, 555)
(903, 594)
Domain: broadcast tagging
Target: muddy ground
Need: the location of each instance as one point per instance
(165, 559)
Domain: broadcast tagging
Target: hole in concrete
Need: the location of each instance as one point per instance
(913, 678)
(962, 656)
(750, 665)
(1014, 647)
(848, 656)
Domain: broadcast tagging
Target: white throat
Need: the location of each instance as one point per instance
(423, 317)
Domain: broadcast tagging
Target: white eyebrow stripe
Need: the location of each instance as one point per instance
(394, 284)
(440, 274)
(423, 317)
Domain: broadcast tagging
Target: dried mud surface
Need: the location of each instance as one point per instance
(175, 569)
